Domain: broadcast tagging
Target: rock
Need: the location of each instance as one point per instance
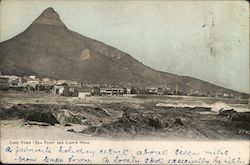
(132, 123)
(178, 122)
(71, 130)
(223, 112)
(240, 116)
(41, 116)
(36, 123)
(65, 117)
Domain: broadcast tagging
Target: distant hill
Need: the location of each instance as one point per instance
(47, 48)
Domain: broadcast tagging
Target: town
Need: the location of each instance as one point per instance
(71, 88)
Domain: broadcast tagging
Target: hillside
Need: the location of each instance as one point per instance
(47, 48)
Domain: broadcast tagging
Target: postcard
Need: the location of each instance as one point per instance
(124, 82)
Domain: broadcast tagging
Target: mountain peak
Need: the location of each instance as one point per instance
(49, 49)
(50, 17)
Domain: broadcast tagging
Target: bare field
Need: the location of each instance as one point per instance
(40, 115)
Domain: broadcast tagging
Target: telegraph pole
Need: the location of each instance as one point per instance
(176, 87)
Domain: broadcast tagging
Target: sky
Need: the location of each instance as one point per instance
(208, 40)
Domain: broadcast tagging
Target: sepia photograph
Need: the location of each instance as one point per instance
(124, 70)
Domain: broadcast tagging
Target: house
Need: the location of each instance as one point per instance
(128, 90)
(58, 89)
(106, 91)
(70, 91)
(4, 82)
(228, 95)
(96, 90)
(219, 93)
(11, 78)
(134, 90)
(64, 90)
(160, 91)
(118, 91)
(167, 91)
(110, 91)
(31, 83)
(85, 91)
(44, 87)
(32, 77)
(151, 91)
(18, 82)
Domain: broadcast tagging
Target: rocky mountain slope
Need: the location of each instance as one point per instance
(47, 48)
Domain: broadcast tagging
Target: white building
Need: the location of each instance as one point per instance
(84, 92)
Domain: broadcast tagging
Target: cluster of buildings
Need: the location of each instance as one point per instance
(75, 89)
(87, 90)
(59, 87)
